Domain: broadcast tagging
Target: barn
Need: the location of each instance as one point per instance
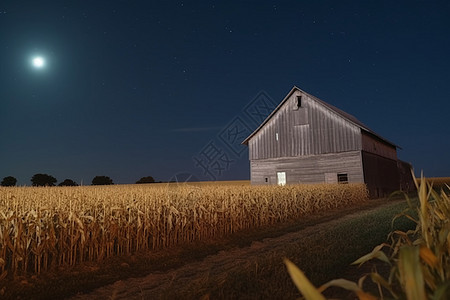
(306, 140)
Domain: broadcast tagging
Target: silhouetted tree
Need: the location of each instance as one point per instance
(43, 180)
(148, 179)
(9, 181)
(102, 180)
(68, 182)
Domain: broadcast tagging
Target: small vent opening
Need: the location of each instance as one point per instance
(298, 102)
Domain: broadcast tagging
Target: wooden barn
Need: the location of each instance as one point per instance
(306, 140)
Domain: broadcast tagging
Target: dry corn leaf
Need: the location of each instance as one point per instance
(376, 253)
(308, 290)
(428, 256)
(411, 273)
(365, 296)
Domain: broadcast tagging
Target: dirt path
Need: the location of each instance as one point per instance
(194, 275)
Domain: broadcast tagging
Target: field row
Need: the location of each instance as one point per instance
(42, 228)
(438, 182)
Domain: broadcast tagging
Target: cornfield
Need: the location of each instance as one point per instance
(46, 227)
(437, 183)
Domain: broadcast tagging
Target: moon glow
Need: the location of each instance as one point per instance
(38, 62)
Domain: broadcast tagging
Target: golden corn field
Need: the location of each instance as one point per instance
(437, 182)
(47, 227)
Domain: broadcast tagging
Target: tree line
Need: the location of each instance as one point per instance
(48, 180)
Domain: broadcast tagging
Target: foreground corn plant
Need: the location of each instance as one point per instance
(419, 259)
(43, 228)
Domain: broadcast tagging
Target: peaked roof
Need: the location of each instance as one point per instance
(341, 113)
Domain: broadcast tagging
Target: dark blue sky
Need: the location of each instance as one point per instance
(137, 88)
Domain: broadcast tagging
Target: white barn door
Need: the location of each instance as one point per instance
(281, 178)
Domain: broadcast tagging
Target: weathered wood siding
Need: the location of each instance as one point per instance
(375, 145)
(381, 174)
(311, 129)
(405, 176)
(308, 169)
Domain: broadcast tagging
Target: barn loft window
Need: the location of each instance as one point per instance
(298, 102)
(276, 136)
(342, 178)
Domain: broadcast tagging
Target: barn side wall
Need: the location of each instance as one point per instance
(309, 169)
(375, 145)
(381, 174)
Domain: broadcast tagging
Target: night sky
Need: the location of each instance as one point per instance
(136, 88)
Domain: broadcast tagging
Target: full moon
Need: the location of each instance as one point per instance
(38, 62)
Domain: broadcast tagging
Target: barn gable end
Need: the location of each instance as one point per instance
(310, 129)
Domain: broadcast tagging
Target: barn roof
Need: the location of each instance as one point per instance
(341, 113)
